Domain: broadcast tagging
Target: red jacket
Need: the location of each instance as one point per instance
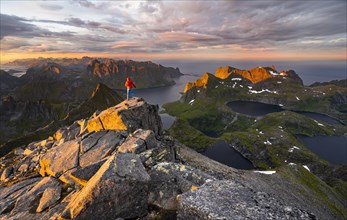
(129, 84)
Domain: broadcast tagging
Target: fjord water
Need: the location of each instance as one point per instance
(330, 148)
(258, 109)
(226, 154)
(161, 95)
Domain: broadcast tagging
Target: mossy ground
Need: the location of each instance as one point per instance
(310, 185)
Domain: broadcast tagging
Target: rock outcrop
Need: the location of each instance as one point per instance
(118, 189)
(201, 82)
(255, 75)
(227, 199)
(127, 116)
(132, 171)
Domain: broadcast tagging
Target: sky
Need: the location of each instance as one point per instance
(177, 29)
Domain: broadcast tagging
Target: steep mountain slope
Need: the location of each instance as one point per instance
(102, 97)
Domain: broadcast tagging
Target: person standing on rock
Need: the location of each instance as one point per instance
(129, 84)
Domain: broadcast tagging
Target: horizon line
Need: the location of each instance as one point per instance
(6, 58)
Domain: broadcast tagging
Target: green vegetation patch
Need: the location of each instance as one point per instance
(311, 185)
(188, 135)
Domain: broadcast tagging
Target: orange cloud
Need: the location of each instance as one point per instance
(240, 55)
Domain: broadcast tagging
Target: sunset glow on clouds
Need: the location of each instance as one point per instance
(174, 29)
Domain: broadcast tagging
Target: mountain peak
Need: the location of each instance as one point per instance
(255, 75)
(202, 82)
(224, 73)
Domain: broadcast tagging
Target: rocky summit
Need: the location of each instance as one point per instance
(118, 164)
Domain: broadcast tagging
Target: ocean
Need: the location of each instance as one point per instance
(309, 71)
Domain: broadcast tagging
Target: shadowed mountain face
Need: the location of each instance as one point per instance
(20, 119)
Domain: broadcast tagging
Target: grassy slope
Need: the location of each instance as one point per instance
(311, 186)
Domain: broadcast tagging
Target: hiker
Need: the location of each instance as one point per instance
(129, 84)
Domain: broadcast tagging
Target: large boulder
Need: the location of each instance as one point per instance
(82, 175)
(118, 190)
(49, 197)
(60, 159)
(132, 145)
(103, 148)
(31, 199)
(10, 194)
(168, 180)
(128, 116)
(229, 200)
(91, 140)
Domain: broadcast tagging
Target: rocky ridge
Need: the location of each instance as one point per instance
(252, 76)
(24, 122)
(118, 164)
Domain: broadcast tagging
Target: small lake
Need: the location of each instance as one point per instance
(330, 148)
(258, 109)
(253, 108)
(320, 117)
(226, 154)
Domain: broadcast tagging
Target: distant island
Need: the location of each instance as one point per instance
(109, 71)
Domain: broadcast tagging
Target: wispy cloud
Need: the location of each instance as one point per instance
(176, 26)
(51, 7)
